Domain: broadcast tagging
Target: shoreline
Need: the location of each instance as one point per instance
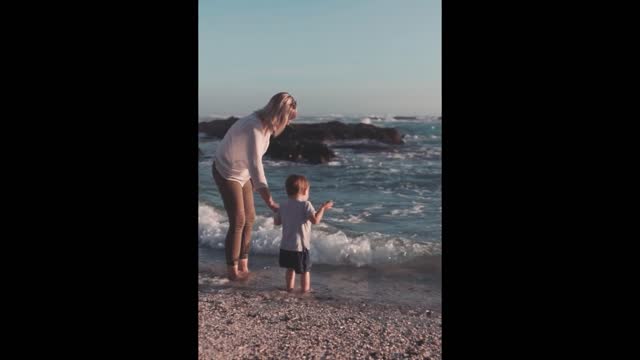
(416, 282)
(248, 323)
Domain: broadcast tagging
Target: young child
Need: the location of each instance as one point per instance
(296, 215)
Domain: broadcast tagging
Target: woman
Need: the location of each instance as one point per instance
(237, 171)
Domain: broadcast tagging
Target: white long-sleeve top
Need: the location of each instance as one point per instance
(239, 155)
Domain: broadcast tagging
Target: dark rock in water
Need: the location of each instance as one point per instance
(369, 147)
(216, 128)
(294, 150)
(304, 142)
(336, 130)
(405, 117)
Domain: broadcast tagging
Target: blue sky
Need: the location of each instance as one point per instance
(348, 57)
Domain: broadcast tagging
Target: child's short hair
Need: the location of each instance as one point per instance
(296, 184)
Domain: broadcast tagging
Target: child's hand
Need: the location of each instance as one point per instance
(328, 204)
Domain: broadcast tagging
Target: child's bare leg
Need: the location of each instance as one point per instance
(290, 278)
(306, 282)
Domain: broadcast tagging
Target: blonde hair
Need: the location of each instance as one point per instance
(275, 115)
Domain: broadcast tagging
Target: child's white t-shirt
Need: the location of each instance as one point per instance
(296, 227)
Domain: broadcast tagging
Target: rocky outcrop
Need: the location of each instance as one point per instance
(336, 131)
(216, 128)
(300, 150)
(306, 142)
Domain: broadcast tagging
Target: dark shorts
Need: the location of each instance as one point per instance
(299, 261)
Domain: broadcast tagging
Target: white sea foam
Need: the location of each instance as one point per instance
(205, 280)
(329, 245)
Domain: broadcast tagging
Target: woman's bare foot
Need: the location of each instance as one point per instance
(234, 275)
(243, 266)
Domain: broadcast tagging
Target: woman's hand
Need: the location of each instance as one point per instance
(266, 196)
(273, 205)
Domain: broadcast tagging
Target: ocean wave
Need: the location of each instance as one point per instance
(416, 209)
(374, 207)
(329, 245)
(351, 219)
(419, 119)
(267, 161)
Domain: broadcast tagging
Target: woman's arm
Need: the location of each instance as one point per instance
(256, 170)
(265, 194)
(257, 145)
